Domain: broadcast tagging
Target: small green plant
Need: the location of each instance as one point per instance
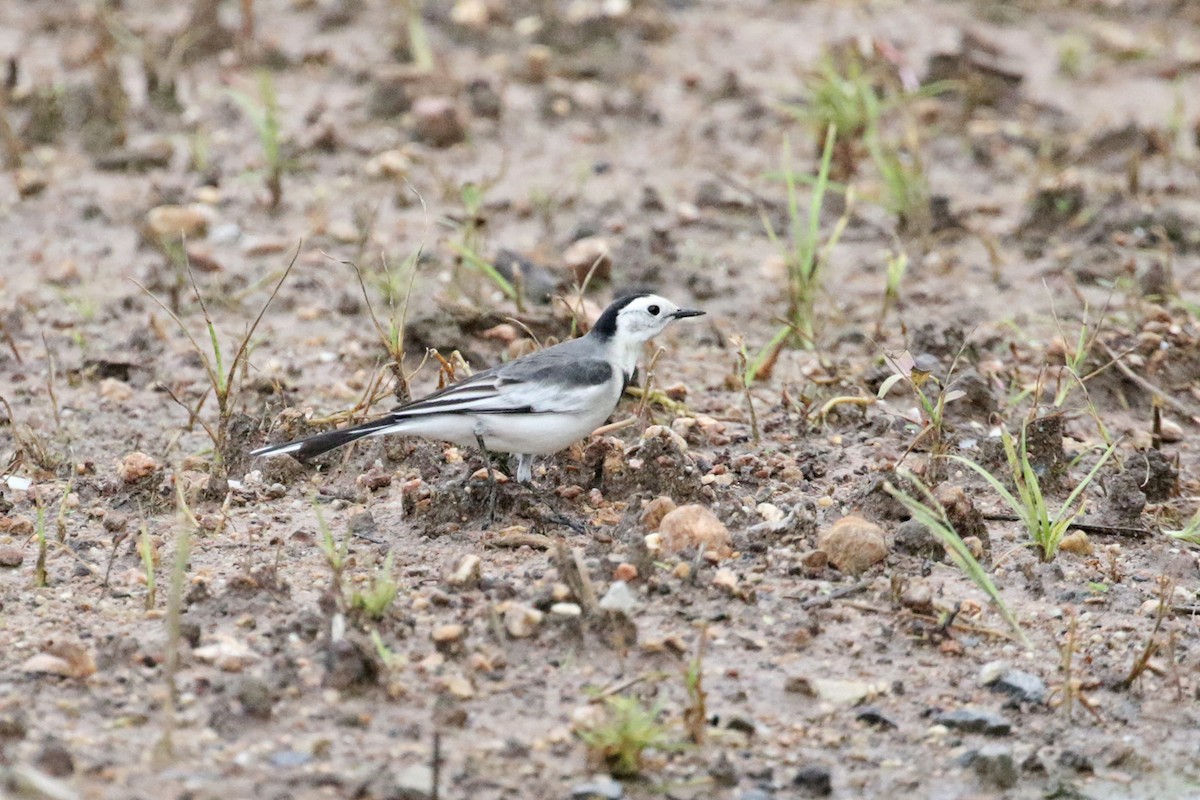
(146, 551)
(64, 510)
(805, 255)
(186, 526)
(1074, 53)
(905, 185)
(391, 328)
(415, 41)
(897, 268)
(695, 714)
(845, 100)
(264, 115)
(335, 554)
(1046, 529)
(374, 601)
(224, 383)
(1190, 532)
(387, 656)
(469, 243)
(932, 397)
(629, 729)
(39, 529)
(929, 512)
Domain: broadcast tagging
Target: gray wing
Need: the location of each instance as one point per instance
(549, 381)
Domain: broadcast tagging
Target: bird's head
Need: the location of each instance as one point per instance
(637, 318)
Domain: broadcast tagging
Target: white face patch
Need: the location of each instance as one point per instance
(645, 317)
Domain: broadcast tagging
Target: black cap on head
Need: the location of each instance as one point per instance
(606, 326)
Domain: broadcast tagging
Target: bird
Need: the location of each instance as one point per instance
(535, 405)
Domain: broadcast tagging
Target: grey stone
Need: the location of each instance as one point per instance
(599, 789)
(618, 598)
(362, 524)
(814, 781)
(975, 720)
(414, 782)
(256, 698)
(874, 717)
(1023, 686)
(754, 794)
(915, 539)
(289, 758)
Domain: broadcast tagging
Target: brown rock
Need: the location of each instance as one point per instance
(655, 510)
(69, 659)
(918, 596)
(449, 638)
(815, 560)
(136, 466)
(115, 391)
(521, 621)
(853, 544)
(467, 572)
(17, 526)
(1076, 542)
(30, 182)
(437, 121)
(695, 527)
(11, 556)
(172, 222)
(625, 572)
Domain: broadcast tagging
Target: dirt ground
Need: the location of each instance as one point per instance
(1060, 145)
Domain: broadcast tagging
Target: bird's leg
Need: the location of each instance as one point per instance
(543, 501)
(525, 468)
(487, 459)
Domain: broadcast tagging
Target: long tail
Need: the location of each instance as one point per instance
(313, 446)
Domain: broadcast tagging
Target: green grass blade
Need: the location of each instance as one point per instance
(932, 517)
(472, 259)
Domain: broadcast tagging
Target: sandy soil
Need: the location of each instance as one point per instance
(1062, 164)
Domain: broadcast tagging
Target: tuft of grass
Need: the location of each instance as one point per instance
(897, 268)
(374, 601)
(1189, 533)
(629, 729)
(1046, 529)
(929, 512)
(845, 100)
(39, 529)
(932, 397)
(224, 382)
(695, 714)
(391, 328)
(264, 115)
(469, 243)
(863, 103)
(146, 552)
(805, 254)
(335, 554)
(186, 526)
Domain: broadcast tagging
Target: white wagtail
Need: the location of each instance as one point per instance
(534, 405)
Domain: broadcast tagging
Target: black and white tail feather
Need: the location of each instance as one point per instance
(534, 405)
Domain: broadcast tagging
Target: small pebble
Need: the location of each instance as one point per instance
(11, 556)
(521, 621)
(814, 781)
(467, 573)
(693, 527)
(854, 544)
(619, 598)
(625, 572)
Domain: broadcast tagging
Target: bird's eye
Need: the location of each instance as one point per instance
(653, 310)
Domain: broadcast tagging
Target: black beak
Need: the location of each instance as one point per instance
(688, 312)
